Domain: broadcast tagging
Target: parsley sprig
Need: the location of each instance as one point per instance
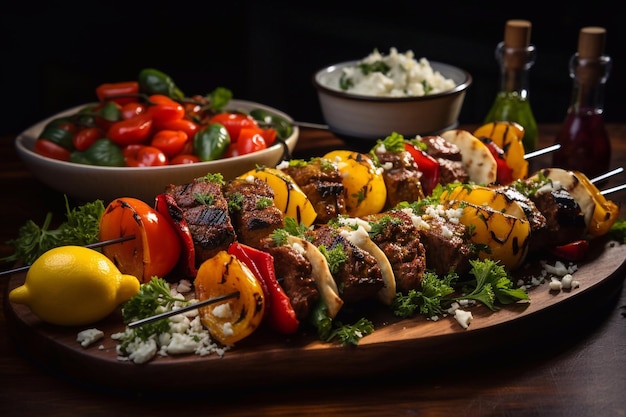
(491, 286)
(153, 297)
(82, 227)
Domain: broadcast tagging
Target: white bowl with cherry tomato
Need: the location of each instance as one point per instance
(135, 163)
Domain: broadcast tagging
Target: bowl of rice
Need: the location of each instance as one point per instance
(383, 93)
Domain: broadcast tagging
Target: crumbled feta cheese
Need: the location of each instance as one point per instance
(87, 337)
(222, 311)
(555, 284)
(406, 76)
(186, 335)
(463, 317)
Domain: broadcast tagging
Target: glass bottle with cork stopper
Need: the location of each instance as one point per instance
(585, 143)
(515, 55)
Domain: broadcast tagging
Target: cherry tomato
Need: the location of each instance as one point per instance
(84, 138)
(170, 142)
(234, 122)
(188, 126)
(250, 140)
(130, 110)
(131, 131)
(50, 149)
(231, 151)
(184, 158)
(164, 109)
(573, 251)
(156, 248)
(269, 135)
(108, 91)
(143, 156)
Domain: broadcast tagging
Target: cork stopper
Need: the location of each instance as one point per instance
(517, 33)
(591, 41)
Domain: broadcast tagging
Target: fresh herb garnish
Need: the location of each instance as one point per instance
(153, 297)
(82, 227)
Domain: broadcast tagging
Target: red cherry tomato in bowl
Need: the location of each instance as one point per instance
(250, 140)
(170, 142)
(143, 156)
(234, 122)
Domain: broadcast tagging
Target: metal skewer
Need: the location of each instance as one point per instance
(90, 246)
(542, 151)
(606, 175)
(183, 309)
(613, 189)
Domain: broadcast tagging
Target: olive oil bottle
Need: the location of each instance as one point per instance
(515, 55)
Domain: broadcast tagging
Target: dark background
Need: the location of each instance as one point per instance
(54, 56)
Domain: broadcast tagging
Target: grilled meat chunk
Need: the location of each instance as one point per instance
(358, 278)
(294, 271)
(401, 176)
(321, 181)
(449, 157)
(565, 221)
(252, 210)
(396, 234)
(445, 239)
(206, 211)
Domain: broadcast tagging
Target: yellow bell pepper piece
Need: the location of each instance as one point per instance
(366, 192)
(481, 196)
(288, 196)
(508, 136)
(505, 236)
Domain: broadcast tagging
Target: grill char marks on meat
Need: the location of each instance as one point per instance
(359, 278)
(293, 271)
(401, 176)
(565, 221)
(322, 183)
(253, 213)
(206, 211)
(449, 157)
(446, 244)
(399, 239)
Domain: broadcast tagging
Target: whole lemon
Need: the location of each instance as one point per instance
(74, 286)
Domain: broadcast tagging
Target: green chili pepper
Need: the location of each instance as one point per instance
(283, 127)
(153, 81)
(103, 152)
(60, 136)
(211, 142)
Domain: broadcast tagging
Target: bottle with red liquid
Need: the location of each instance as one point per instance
(585, 143)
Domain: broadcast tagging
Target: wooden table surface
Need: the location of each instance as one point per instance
(579, 370)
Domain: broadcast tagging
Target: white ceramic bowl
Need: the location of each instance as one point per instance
(89, 182)
(371, 117)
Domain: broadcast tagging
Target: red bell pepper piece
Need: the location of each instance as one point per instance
(504, 173)
(166, 205)
(281, 316)
(572, 251)
(428, 166)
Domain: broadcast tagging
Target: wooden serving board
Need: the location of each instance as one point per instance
(395, 346)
